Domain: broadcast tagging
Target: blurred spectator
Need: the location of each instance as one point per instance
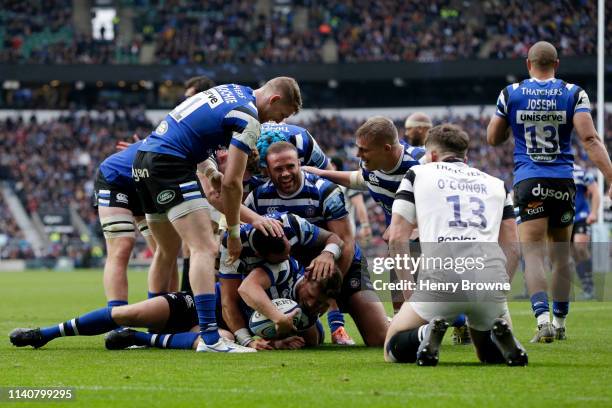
(232, 31)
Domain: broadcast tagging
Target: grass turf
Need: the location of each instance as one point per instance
(571, 373)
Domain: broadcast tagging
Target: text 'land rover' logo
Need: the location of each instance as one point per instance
(165, 197)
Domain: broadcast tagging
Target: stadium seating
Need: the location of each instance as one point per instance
(240, 31)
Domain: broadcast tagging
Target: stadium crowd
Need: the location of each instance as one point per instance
(238, 32)
(51, 164)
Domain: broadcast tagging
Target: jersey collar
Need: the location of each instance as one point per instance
(551, 79)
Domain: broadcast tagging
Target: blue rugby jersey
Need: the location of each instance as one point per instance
(383, 185)
(541, 114)
(284, 278)
(117, 168)
(317, 200)
(583, 180)
(298, 232)
(309, 152)
(207, 121)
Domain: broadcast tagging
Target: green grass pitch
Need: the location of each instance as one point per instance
(576, 372)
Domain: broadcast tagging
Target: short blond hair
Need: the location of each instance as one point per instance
(288, 89)
(378, 128)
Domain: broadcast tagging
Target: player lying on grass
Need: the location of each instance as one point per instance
(173, 319)
(451, 201)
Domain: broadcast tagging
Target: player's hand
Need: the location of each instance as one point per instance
(121, 145)
(365, 233)
(385, 235)
(216, 180)
(284, 326)
(269, 226)
(591, 219)
(290, 343)
(234, 248)
(261, 344)
(313, 170)
(321, 267)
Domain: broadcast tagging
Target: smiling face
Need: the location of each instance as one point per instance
(373, 154)
(284, 171)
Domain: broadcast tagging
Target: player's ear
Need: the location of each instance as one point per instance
(528, 65)
(274, 98)
(556, 64)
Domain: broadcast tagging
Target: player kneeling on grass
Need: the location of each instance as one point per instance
(451, 201)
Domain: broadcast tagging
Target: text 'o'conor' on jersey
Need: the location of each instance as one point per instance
(298, 231)
(450, 201)
(317, 200)
(117, 168)
(541, 114)
(206, 122)
(383, 185)
(309, 152)
(583, 180)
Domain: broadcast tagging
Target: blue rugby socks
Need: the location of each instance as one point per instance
(90, 324)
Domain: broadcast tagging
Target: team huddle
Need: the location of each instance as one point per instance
(262, 215)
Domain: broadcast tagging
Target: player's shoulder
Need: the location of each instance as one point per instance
(412, 153)
(234, 97)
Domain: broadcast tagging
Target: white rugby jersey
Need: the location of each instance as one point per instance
(453, 202)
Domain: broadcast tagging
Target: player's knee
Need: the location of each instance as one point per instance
(118, 226)
(122, 314)
(402, 347)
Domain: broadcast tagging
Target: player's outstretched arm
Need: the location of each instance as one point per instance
(350, 179)
(365, 230)
(253, 292)
(596, 150)
(497, 131)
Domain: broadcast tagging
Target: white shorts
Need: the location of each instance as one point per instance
(480, 315)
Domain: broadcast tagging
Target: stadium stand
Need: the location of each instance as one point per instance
(306, 31)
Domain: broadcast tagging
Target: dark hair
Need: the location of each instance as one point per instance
(337, 162)
(449, 138)
(332, 286)
(200, 83)
(267, 245)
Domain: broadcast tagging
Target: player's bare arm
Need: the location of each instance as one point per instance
(595, 149)
(497, 131)
(323, 265)
(253, 292)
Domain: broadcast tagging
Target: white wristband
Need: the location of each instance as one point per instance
(243, 337)
(234, 231)
(334, 249)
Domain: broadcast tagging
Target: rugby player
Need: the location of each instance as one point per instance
(165, 173)
(416, 127)
(384, 162)
(586, 190)
(321, 202)
(173, 321)
(450, 201)
(192, 87)
(119, 209)
(541, 113)
(300, 236)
